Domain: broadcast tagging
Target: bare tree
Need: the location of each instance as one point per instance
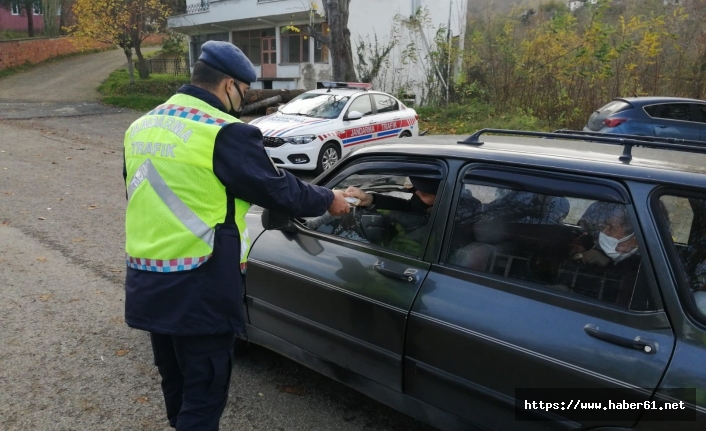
(338, 40)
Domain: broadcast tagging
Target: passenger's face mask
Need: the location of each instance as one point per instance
(609, 244)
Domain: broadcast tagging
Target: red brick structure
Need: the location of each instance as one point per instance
(20, 51)
(18, 22)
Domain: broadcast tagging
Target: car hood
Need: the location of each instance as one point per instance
(290, 125)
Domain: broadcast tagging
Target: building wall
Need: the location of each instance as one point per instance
(8, 21)
(18, 52)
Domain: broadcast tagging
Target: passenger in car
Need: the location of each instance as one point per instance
(608, 239)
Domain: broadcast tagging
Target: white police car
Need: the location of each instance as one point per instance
(317, 128)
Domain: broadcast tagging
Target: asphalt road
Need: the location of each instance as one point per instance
(67, 359)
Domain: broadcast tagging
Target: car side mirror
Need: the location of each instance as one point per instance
(279, 108)
(273, 220)
(353, 115)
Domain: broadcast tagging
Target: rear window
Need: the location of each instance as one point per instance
(614, 106)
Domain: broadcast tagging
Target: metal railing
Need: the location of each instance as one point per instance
(202, 6)
(169, 66)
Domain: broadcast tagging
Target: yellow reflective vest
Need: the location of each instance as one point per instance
(175, 199)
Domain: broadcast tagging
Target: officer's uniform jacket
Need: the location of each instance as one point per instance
(191, 173)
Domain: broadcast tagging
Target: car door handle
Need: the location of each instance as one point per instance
(409, 275)
(638, 343)
(397, 118)
(661, 126)
(372, 122)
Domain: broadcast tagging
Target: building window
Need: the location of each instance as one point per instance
(198, 40)
(250, 42)
(321, 50)
(15, 8)
(295, 47)
(37, 8)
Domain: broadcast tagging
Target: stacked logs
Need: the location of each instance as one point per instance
(261, 99)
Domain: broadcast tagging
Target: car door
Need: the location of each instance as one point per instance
(675, 120)
(361, 131)
(517, 311)
(390, 121)
(336, 286)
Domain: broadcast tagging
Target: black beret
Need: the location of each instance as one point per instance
(229, 59)
(426, 185)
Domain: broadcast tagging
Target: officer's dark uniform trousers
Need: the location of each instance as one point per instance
(195, 374)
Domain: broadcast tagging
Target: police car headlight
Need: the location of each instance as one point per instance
(297, 140)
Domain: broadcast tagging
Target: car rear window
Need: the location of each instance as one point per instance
(613, 107)
(578, 246)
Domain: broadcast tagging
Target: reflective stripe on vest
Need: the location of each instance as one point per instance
(186, 113)
(147, 172)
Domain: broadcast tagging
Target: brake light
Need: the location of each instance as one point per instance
(614, 122)
(416, 117)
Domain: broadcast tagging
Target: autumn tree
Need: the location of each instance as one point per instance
(125, 23)
(26, 7)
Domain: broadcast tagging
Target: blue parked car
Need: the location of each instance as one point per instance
(668, 117)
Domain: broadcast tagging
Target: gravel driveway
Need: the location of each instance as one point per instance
(67, 359)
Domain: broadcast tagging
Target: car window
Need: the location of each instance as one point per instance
(702, 111)
(361, 104)
(685, 221)
(316, 105)
(397, 220)
(613, 107)
(671, 111)
(573, 245)
(385, 103)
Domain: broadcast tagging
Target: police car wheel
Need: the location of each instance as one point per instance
(328, 156)
(405, 134)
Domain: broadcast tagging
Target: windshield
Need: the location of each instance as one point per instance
(316, 105)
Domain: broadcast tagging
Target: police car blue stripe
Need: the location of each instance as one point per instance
(357, 138)
(389, 132)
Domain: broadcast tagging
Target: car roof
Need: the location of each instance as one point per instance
(655, 99)
(653, 165)
(345, 91)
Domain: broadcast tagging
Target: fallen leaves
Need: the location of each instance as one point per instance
(78, 240)
(42, 218)
(92, 207)
(42, 259)
(142, 400)
(122, 352)
(45, 297)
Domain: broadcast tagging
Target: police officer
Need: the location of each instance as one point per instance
(191, 171)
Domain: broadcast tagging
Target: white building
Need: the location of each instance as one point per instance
(284, 58)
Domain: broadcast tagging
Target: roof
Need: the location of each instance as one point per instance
(655, 99)
(664, 166)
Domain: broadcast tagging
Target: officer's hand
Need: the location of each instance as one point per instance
(355, 192)
(339, 206)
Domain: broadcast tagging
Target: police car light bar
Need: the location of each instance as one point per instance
(331, 84)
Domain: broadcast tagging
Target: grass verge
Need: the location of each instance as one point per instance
(29, 65)
(144, 94)
(467, 118)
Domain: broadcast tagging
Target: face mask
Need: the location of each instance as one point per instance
(232, 111)
(417, 205)
(609, 244)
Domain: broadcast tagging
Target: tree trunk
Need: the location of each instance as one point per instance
(49, 9)
(30, 19)
(252, 107)
(130, 71)
(340, 37)
(141, 62)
